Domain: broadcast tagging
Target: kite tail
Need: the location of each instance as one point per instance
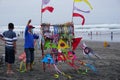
(92, 67)
(57, 70)
(97, 56)
(22, 67)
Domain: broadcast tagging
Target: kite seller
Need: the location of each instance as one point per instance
(29, 45)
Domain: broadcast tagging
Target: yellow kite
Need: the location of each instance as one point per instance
(62, 44)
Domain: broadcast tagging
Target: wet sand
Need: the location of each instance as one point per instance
(108, 66)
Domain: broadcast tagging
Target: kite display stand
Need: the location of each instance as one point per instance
(56, 37)
(58, 45)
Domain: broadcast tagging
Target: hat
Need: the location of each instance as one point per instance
(30, 26)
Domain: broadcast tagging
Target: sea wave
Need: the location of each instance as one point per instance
(95, 27)
(100, 32)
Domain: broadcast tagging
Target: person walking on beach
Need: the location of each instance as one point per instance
(111, 35)
(29, 45)
(9, 37)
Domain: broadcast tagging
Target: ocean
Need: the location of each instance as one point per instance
(99, 32)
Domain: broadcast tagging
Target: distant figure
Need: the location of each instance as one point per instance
(96, 33)
(18, 35)
(91, 35)
(9, 37)
(111, 35)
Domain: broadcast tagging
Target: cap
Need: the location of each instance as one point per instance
(30, 26)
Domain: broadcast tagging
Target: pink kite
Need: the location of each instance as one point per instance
(22, 57)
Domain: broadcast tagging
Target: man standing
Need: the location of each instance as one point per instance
(29, 45)
(9, 37)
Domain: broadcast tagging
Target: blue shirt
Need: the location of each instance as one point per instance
(9, 37)
(29, 39)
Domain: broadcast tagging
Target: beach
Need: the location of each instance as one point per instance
(107, 67)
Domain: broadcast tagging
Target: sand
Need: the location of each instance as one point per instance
(108, 66)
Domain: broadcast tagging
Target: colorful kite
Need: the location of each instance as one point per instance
(62, 44)
(88, 52)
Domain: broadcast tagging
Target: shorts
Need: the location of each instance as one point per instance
(9, 55)
(29, 55)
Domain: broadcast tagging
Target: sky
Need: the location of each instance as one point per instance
(20, 11)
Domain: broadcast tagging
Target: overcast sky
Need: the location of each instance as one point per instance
(20, 11)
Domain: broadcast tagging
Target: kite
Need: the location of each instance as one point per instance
(71, 56)
(88, 65)
(55, 29)
(48, 59)
(88, 51)
(22, 58)
(62, 44)
(61, 57)
(75, 42)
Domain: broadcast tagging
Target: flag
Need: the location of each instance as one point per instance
(49, 8)
(75, 8)
(79, 15)
(44, 2)
(78, 0)
(86, 1)
(75, 42)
